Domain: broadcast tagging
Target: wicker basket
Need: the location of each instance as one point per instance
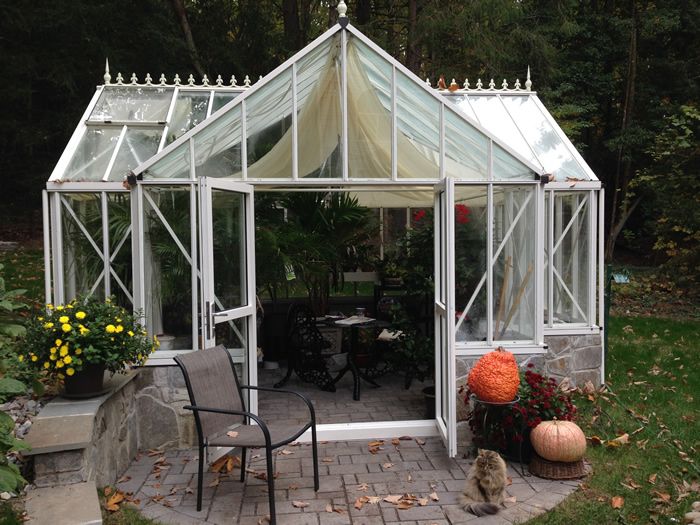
(543, 468)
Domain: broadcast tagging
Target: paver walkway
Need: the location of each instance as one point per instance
(349, 471)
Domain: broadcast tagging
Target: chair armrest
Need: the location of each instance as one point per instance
(278, 391)
(250, 415)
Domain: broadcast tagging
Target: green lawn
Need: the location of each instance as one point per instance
(652, 396)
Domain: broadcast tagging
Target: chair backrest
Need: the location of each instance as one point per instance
(212, 382)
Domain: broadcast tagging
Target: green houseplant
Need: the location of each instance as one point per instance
(83, 339)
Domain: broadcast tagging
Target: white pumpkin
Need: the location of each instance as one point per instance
(559, 441)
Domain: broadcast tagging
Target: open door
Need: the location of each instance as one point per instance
(227, 250)
(445, 381)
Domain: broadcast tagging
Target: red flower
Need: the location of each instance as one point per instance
(462, 219)
(462, 209)
(418, 215)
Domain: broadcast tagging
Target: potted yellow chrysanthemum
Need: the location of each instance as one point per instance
(78, 342)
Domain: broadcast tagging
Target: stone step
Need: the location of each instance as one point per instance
(76, 504)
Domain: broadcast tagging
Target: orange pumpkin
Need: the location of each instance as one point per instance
(559, 441)
(495, 378)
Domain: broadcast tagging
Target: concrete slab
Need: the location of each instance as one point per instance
(66, 505)
(56, 434)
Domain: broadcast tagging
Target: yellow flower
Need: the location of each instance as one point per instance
(80, 315)
(65, 327)
(78, 351)
(59, 364)
(83, 330)
(21, 358)
(63, 319)
(49, 306)
(47, 364)
(61, 376)
(110, 329)
(59, 308)
(34, 358)
(67, 359)
(59, 342)
(53, 350)
(48, 325)
(70, 371)
(119, 328)
(41, 318)
(140, 357)
(119, 320)
(131, 334)
(53, 357)
(69, 306)
(64, 351)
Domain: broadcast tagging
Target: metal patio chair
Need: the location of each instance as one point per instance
(218, 403)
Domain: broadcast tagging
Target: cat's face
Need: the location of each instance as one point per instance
(487, 459)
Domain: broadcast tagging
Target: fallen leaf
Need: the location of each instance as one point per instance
(286, 452)
(124, 479)
(624, 439)
(376, 443)
(595, 440)
(422, 502)
(300, 504)
(663, 497)
(434, 496)
(373, 450)
(405, 438)
(214, 483)
(358, 504)
(420, 441)
(327, 460)
(293, 487)
(403, 505)
(395, 442)
(157, 486)
(155, 453)
(652, 479)
(410, 478)
(340, 511)
(387, 465)
(362, 486)
(232, 433)
(329, 508)
(617, 502)
(393, 499)
(108, 491)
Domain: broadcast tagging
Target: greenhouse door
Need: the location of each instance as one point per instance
(227, 251)
(445, 382)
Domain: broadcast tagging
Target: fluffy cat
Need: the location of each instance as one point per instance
(486, 484)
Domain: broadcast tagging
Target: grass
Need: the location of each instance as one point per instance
(126, 515)
(653, 396)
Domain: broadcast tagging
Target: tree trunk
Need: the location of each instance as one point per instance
(187, 30)
(292, 30)
(623, 170)
(413, 47)
(332, 13)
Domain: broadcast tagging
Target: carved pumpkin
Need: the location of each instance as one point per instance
(559, 441)
(495, 377)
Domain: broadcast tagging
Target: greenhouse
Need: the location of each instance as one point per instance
(153, 201)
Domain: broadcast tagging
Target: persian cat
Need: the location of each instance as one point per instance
(486, 484)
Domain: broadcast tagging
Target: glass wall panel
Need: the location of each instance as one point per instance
(228, 224)
(571, 258)
(369, 113)
(514, 263)
(217, 148)
(506, 167)
(190, 109)
(268, 127)
(175, 165)
(91, 158)
(318, 113)
(471, 219)
(131, 103)
(120, 232)
(138, 146)
(83, 261)
(418, 121)
(466, 149)
(168, 264)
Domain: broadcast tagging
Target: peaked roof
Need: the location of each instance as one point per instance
(339, 110)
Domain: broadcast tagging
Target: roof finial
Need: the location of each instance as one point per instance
(107, 76)
(528, 82)
(342, 9)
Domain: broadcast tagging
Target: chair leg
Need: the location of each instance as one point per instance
(243, 454)
(314, 446)
(271, 486)
(200, 476)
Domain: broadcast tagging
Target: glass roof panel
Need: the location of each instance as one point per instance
(418, 120)
(551, 150)
(369, 113)
(174, 165)
(217, 148)
(132, 104)
(222, 98)
(92, 156)
(466, 149)
(319, 118)
(268, 117)
(507, 167)
(190, 110)
(139, 145)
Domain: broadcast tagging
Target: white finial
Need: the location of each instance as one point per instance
(162, 79)
(107, 76)
(148, 79)
(134, 80)
(246, 81)
(528, 82)
(176, 80)
(219, 81)
(342, 9)
(466, 83)
(427, 81)
(505, 84)
(492, 85)
(205, 81)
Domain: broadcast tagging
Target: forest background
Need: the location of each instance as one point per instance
(620, 76)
